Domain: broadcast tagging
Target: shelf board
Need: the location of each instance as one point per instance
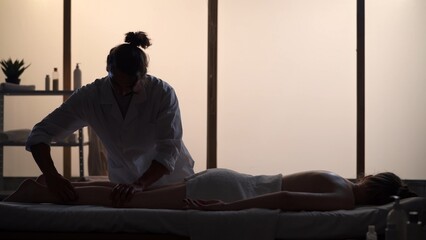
(37, 93)
(20, 144)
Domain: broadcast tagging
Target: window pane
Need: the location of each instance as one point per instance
(396, 87)
(287, 86)
(31, 30)
(178, 55)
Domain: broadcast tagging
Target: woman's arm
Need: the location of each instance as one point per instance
(284, 200)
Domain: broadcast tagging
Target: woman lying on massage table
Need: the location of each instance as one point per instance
(223, 189)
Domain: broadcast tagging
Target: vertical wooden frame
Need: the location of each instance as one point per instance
(212, 85)
(67, 76)
(360, 121)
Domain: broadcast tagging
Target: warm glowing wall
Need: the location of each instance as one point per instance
(396, 87)
(31, 30)
(178, 55)
(287, 85)
(286, 76)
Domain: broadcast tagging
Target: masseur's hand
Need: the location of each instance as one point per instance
(152, 175)
(56, 183)
(122, 193)
(61, 187)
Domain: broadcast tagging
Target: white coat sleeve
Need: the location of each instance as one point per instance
(60, 123)
(169, 131)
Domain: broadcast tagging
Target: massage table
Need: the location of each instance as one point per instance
(53, 221)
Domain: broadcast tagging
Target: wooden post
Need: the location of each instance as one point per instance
(67, 76)
(212, 85)
(360, 159)
(1, 147)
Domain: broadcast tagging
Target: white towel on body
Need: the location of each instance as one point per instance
(228, 185)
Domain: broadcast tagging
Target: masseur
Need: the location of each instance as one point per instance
(135, 115)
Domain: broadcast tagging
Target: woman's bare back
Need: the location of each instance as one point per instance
(315, 182)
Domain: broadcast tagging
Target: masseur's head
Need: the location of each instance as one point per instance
(127, 62)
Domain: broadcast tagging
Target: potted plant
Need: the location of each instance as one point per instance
(13, 70)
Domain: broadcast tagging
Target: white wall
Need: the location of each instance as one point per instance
(178, 55)
(179, 37)
(396, 87)
(31, 30)
(287, 85)
(286, 77)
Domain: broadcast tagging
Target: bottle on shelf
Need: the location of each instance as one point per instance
(47, 82)
(77, 77)
(55, 79)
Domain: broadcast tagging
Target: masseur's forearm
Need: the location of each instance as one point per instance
(153, 174)
(56, 183)
(41, 155)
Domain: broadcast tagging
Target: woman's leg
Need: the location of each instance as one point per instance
(31, 191)
(168, 198)
(93, 184)
(40, 179)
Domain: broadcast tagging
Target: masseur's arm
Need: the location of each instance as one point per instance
(153, 174)
(61, 122)
(124, 192)
(56, 183)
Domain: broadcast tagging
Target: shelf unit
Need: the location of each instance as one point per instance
(80, 141)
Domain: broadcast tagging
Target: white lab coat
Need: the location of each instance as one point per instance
(151, 129)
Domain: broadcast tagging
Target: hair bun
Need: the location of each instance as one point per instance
(139, 39)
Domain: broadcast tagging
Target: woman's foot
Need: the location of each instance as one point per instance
(24, 193)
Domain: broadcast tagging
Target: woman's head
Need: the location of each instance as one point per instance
(129, 58)
(380, 187)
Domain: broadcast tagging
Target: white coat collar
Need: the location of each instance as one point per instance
(107, 95)
(108, 101)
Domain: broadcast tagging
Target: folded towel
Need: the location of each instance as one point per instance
(249, 224)
(16, 136)
(13, 87)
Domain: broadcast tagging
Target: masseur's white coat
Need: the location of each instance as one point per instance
(151, 129)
